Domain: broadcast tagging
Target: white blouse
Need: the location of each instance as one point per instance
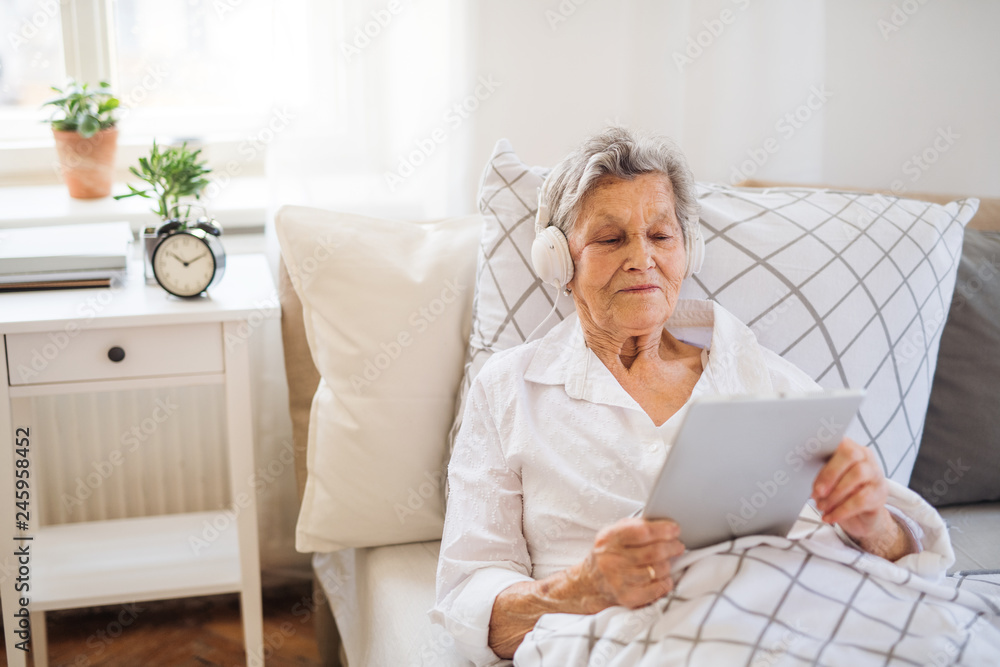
(552, 449)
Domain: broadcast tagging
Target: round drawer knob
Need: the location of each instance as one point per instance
(116, 354)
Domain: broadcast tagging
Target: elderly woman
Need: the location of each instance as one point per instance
(563, 437)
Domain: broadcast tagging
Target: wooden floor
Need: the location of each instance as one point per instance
(194, 631)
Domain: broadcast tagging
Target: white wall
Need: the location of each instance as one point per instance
(889, 91)
(941, 69)
(568, 72)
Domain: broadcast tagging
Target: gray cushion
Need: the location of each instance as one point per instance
(974, 536)
(959, 459)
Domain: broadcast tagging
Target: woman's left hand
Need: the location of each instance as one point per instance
(851, 491)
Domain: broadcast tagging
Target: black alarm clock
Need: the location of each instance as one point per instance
(185, 258)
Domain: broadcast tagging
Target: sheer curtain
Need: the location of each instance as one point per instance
(373, 89)
(364, 123)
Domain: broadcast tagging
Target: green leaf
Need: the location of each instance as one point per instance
(89, 126)
(172, 172)
(82, 108)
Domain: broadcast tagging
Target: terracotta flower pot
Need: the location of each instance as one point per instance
(87, 165)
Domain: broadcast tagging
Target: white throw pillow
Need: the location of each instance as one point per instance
(854, 288)
(387, 310)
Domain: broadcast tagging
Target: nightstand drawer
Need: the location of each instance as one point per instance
(107, 354)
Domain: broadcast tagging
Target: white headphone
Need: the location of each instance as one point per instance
(554, 265)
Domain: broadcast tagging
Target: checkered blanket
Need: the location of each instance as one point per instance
(809, 599)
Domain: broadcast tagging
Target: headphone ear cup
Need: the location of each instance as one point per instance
(550, 257)
(695, 247)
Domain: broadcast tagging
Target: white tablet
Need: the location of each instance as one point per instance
(744, 465)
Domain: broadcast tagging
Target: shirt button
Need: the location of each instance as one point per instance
(653, 446)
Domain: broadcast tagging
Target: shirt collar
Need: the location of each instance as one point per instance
(737, 365)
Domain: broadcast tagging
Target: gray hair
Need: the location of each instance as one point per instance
(618, 152)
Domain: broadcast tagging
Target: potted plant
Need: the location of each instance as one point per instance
(172, 172)
(83, 125)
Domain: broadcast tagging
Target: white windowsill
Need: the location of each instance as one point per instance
(241, 205)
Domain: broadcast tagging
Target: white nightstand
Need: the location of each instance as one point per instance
(166, 342)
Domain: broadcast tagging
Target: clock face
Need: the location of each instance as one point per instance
(183, 264)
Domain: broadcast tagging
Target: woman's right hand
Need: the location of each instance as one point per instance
(629, 564)
(615, 572)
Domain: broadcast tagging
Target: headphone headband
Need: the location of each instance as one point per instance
(542, 215)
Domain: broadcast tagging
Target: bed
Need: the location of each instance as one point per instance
(379, 595)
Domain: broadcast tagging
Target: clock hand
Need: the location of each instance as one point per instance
(197, 258)
(179, 259)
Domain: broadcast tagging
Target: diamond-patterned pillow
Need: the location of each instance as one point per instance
(510, 301)
(853, 288)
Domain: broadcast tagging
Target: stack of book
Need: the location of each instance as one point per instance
(89, 255)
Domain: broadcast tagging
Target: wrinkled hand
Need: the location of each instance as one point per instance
(617, 568)
(851, 491)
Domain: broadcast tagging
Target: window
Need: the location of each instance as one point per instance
(197, 69)
(194, 68)
(31, 60)
(317, 88)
